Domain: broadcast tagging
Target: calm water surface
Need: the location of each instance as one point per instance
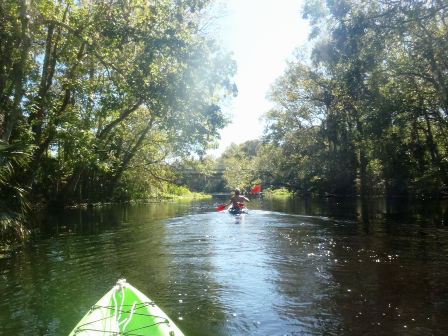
(291, 267)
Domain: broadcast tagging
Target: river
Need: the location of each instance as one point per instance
(289, 267)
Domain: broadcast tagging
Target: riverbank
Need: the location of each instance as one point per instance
(17, 229)
(278, 193)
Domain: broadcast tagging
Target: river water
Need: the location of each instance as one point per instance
(289, 267)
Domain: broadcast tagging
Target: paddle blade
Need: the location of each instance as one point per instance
(256, 189)
(221, 207)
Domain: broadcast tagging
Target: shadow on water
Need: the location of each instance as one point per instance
(289, 267)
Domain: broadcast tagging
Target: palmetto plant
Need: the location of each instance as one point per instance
(13, 197)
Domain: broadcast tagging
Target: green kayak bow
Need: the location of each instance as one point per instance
(124, 310)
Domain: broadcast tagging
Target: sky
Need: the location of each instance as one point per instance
(262, 35)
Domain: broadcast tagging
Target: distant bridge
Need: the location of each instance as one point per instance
(220, 171)
(207, 173)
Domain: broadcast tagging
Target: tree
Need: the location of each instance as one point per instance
(373, 91)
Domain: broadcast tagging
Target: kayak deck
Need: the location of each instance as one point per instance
(124, 310)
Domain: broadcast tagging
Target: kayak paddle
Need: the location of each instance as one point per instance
(256, 189)
(221, 207)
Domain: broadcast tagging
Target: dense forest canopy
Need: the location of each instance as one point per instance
(98, 97)
(367, 112)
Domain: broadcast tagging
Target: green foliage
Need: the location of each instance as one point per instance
(14, 205)
(108, 94)
(174, 191)
(239, 165)
(278, 193)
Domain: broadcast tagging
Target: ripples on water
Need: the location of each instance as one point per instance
(283, 269)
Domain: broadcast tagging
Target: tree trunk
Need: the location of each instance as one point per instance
(19, 74)
(36, 117)
(131, 153)
(433, 149)
(363, 172)
(115, 122)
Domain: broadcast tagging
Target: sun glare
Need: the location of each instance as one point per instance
(262, 34)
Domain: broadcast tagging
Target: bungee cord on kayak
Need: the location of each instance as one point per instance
(124, 310)
(133, 311)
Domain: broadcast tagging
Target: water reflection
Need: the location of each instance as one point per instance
(289, 267)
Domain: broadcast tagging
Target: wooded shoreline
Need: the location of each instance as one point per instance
(119, 101)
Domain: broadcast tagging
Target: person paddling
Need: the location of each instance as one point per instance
(236, 200)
